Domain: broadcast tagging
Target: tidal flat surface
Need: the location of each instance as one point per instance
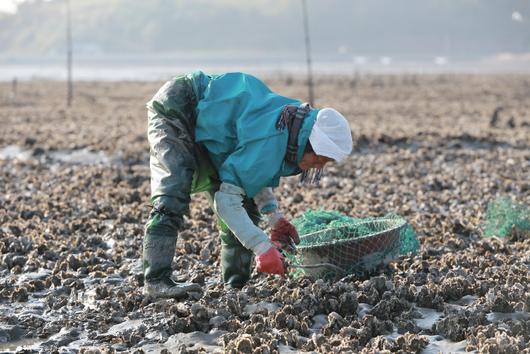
(74, 194)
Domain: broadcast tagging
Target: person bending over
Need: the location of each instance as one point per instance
(230, 136)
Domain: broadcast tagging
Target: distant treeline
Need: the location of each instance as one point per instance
(339, 28)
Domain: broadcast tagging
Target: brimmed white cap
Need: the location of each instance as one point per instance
(331, 135)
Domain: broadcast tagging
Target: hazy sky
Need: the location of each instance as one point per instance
(359, 32)
(10, 6)
(7, 6)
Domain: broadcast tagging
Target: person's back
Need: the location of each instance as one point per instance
(236, 122)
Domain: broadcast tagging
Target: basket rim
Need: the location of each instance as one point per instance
(402, 223)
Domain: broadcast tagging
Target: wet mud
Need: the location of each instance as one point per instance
(74, 194)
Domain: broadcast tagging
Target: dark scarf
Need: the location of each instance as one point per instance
(287, 116)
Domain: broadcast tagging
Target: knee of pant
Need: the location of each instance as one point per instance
(177, 204)
(229, 239)
(163, 222)
(161, 225)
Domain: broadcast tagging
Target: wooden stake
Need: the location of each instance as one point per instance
(70, 86)
(308, 55)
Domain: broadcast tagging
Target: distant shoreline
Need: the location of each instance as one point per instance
(113, 71)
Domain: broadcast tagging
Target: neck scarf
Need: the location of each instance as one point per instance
(312, 175)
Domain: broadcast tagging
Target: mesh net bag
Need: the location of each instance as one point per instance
(333, 244)
(505, 218)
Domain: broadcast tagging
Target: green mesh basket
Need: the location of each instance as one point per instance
(507, 218)
(333, 244)
(355, 248)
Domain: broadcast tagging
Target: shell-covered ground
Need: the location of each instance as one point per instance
(74, 193)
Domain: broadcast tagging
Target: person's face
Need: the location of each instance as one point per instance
(312, 160)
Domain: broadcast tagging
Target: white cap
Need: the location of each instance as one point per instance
(331, 135)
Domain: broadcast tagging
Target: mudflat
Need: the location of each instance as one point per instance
(74, 195)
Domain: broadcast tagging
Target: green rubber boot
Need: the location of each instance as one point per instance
(159, 245)
(158, 251)
(236, 260)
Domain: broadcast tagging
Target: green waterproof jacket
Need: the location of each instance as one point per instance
(236, 123)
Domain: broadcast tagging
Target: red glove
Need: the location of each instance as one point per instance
(271, 262)
(285, 234)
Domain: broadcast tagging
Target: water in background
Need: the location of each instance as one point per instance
(117, 71)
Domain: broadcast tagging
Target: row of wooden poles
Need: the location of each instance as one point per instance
(69, 55)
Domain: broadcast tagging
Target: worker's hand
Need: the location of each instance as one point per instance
(271, 262)
(285, 234)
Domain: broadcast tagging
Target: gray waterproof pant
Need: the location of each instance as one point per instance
(174, 158)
